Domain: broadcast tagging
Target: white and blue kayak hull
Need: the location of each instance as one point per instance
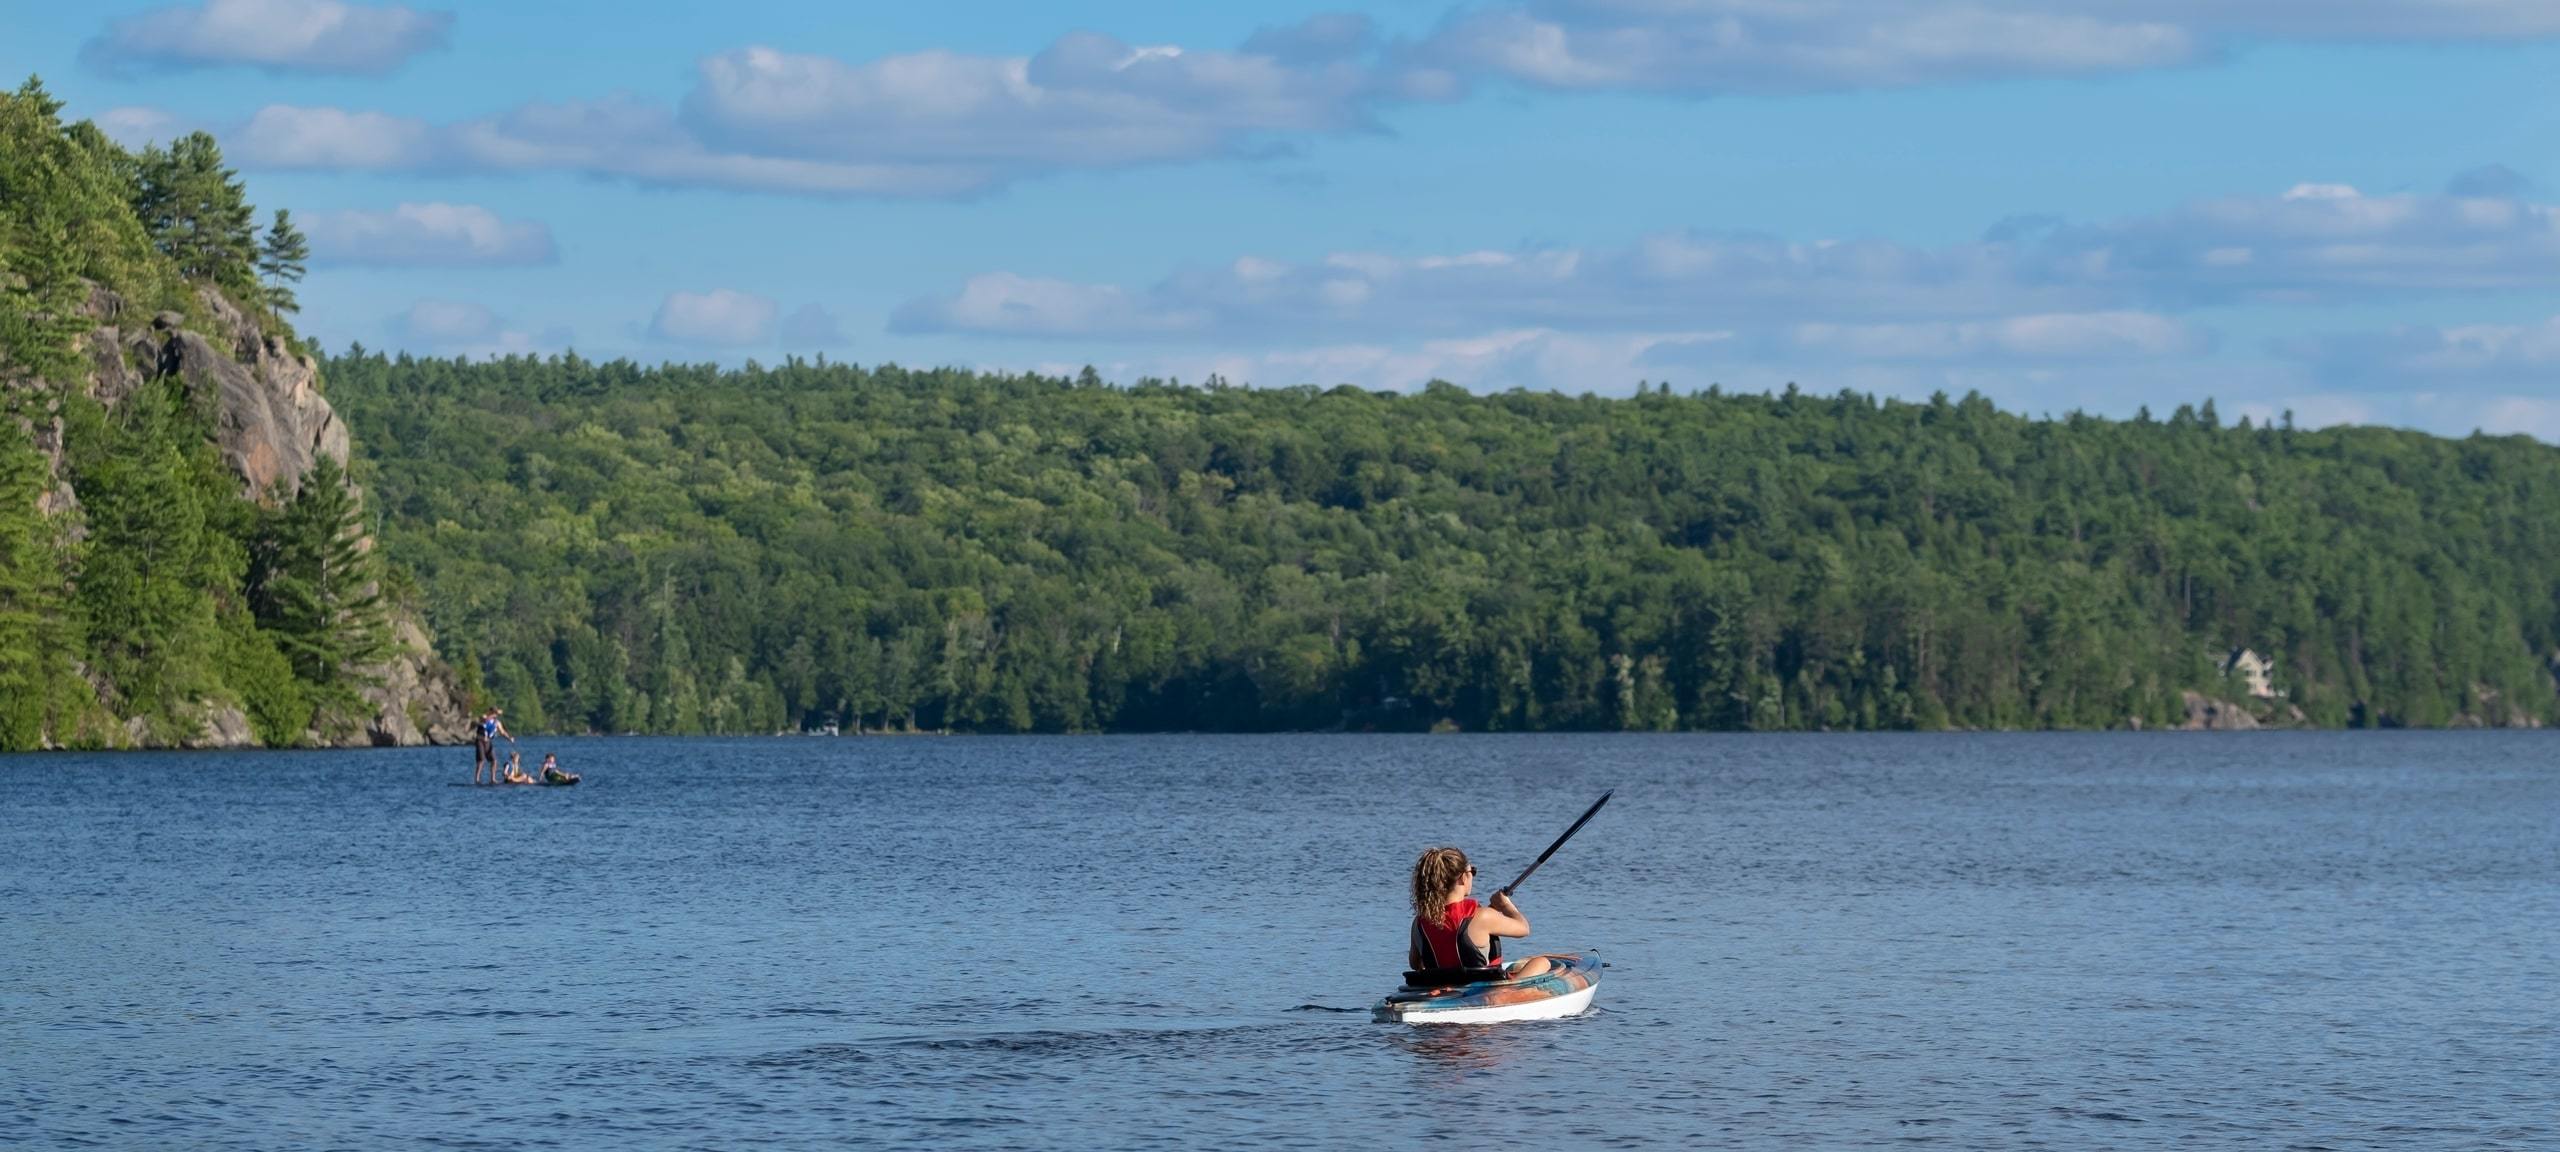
(1566, 988)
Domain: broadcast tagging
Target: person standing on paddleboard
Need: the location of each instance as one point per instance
(484, 743)
(1452, 930)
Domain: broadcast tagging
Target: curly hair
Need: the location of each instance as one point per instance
(1438, 871)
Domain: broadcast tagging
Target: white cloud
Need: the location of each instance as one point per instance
(462, 328)
(2469, 358)
(1005, 304)
(1513, 358)
(1669, 281)
(134, 126)
(811, 326)
(1613, 363)
(2041, 313)
(1803, 45)
(2318, 242)
(2051, 336)
(949, 124)
(2446, 414)
(441, 322)
(2038, 289)
(929, 124)
(722, 318)
(2422, 20)
(2535, 416)
(1715, 46)
(1535, 358)
(287, 136)
(2491, 180)
(1085, 101)
(431, 234)
(305, 36)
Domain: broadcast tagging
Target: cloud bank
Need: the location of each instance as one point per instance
(428, 235)
(941, 124)
(1704, 47)
(930, 124)
(2039, 313)
(2010, 290)
(312, 37)
(721, 318)
(466, 329)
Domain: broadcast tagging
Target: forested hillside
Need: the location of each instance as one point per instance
(686, 549)
(181, 558)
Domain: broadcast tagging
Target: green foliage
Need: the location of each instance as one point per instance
(278, 704)
(37, 687)
(282, 254)
(197, 213)
(165, 529)
(144, 586)
(63, 226)
(686, 549)
(316, 586)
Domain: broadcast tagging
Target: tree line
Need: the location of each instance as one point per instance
(617, 548)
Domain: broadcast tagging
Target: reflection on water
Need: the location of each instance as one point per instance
(1441, 1048)
(2258, 940)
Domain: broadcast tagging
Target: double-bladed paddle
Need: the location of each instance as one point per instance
(1587, 814)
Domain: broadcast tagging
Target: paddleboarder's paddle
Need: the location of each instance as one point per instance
(1587, 814)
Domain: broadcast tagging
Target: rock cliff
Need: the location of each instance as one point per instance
(271, 423)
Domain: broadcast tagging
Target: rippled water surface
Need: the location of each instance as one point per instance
(2095, 941)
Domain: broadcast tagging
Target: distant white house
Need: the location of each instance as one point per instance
(2253, 670)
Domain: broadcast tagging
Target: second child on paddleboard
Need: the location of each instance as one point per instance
(1452, 930)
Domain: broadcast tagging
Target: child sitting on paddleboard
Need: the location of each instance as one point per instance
(515, 769)
(1452, 930)
(551, 773)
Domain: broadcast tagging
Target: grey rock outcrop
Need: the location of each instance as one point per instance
(225, 726)
(271, 423)
(2206, 714)
(415, 698)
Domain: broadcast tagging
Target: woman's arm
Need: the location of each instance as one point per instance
(1501, 917)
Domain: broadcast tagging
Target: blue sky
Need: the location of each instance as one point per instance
(2342, 209)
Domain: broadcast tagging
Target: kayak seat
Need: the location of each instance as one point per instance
(1451, 977)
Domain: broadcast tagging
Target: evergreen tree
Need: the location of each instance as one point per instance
(41, 258)
(162, 514)
(35, 643)
(316, 584)
(282, 253)
(197, 212)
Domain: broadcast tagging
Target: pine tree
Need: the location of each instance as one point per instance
(282, 252)
(197, 211)
(33, 633)
(317, 585)
(154, 498)
(40, 251)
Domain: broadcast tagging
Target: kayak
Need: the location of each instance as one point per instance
(1564, 989)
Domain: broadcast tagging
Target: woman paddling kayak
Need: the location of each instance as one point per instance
(1452, 930)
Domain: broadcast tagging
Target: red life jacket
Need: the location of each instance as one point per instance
(1445, 945)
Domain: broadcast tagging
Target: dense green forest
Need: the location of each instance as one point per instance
(687, 549)
(609, 547)
(138, 585)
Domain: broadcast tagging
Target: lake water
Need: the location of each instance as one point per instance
(2068, 941)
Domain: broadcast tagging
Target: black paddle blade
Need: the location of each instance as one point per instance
(1587, 814)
